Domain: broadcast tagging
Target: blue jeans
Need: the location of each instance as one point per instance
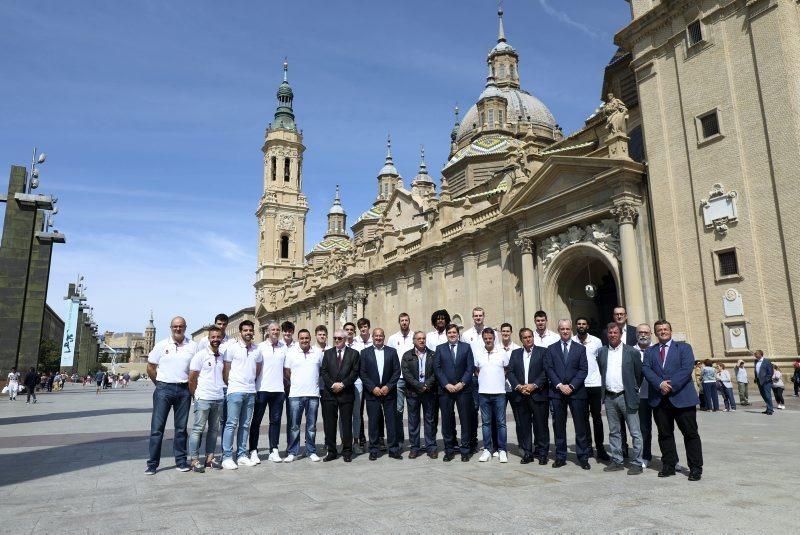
(766, 395)
(493, 410)
(298, 405)
(712, 398)
(205, 411)
(727, 397)
(168, 396)
(240, 414)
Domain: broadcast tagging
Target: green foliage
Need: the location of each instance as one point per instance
(49, 356)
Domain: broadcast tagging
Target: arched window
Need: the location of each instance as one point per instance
(285, 246)
(286, 169)
(491, 118)
(274, 164)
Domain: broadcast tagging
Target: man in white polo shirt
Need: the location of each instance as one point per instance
(491, 364)
(243, 363)
(168, 368)
(593, 386)
(474, 337)
(206, 387)
(402, 341)
(301, 369)
(270, 394)
(542, 336)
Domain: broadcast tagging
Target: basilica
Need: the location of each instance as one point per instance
(670, 200)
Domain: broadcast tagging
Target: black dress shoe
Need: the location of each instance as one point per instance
(433, 454)
(543, 461)
(382, 444)
(448, 457)
(329, 457)
(667, 472)
(347, 458)
(614, 467)
(413, 454)
(525, 459)
(585, 465)
(694, 476)
(559, 463)
(464, 457)
(635, 470)
(603, 456)
(396, 456)
(373, 456)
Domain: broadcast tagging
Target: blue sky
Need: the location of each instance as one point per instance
(152, 114)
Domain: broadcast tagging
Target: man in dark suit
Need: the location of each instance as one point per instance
(669, 369)
(529, 394)
(380, 371)
(339, 371)
(417, 370)
(764, 371)
(454, 367)
(621, 374)
(628, 331)
(566, 367)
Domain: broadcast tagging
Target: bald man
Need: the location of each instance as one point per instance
(168, 368)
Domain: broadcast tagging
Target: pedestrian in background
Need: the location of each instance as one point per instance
(777, 387)
(741, 383)
(708, 376)
(31, 380)
(724, 377)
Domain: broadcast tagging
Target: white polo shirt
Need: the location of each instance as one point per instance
(244, 362)
(545, 340)
(271, 378)
(173, 359)
(506, 351)
(209, 383)
(592, 345)
(305, 372)
(434, 339)
(401, 343)
(492, 376)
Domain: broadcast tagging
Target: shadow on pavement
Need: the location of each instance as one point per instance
(70, 415)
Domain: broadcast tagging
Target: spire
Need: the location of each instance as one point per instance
(337, 204)
(151, 319)
(388, 166)
(337, 219)
(423, 169)
(388, 148)
(456, 125)
(286, 69)
(422, 175)
(284, 114)
(501, 35)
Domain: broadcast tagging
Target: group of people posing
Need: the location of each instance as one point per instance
(432, 376)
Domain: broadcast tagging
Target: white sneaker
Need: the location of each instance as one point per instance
(503, 457)
(781, 407)
(314, 458)
(254, 457)
(496, 455)
(275, 457)
(485, 456)
(645, 463)
(229, 464)
(289, 458)
(244, 460)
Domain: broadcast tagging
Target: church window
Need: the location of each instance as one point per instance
(511, 70)
(502, 71)
(285, 246)
(728, 264)
(500, 117)
(274, 165)
(694, 33)
(483, 119)
(286, 169)
(710, 125)
(491, 118)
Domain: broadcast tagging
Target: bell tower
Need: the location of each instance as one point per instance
(282, 209)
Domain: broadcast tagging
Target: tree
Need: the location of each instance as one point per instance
(49, 356)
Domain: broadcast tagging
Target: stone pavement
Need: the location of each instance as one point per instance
(74, 462)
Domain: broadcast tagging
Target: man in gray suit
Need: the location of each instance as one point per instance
(764, 371)
(621, 374)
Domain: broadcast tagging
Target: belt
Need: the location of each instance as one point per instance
(184, 385)
(614, 394)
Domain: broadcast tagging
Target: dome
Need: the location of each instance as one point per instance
(388, 169)
(336, 209)
(520, 103)
(502, 48)
(285, 90)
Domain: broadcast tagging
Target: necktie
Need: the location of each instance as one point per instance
(339, 359)
(565, 352)
(663, 354)
(453, 351)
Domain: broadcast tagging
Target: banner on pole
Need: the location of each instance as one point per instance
(70, 332)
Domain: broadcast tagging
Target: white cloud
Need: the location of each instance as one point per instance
(569, 21)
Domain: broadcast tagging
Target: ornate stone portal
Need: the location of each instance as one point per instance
(604, 234)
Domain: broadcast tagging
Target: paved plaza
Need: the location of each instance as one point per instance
(74, 462)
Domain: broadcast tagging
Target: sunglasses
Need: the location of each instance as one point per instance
(338, 338)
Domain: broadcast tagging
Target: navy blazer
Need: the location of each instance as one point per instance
(767, 370)
(536, 374)
(369, 371)
(449, 373)
(572, 373)
(678, 369)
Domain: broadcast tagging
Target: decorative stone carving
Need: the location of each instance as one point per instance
(625, 212)
(285, 222)
(616, 114)
(525, 245)
(604, 234)
(732, 303)
(719, 209)
(271, 197)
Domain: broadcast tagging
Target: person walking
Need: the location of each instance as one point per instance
(764, 373)
(31, 380)
(724, 377)
(741, 383)
(708, 375)
(777, 387)
(13, 384)
(796, 376)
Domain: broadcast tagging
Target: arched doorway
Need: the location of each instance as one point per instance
(567, 277)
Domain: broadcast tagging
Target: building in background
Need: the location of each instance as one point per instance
(132, 346)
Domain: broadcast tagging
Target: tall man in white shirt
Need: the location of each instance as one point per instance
(402, 341)
(439, 320)
(594, 387)
(491, 365)
(473, 337)
(206, 387)
(301, 370)
(168, 368)
(542, 336)
(621, 371)
(243, 363)
(270, 393)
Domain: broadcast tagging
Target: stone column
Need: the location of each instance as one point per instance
(470, 260)
(438, 294)
(331, 316)
(529, 300)
(349, 303)
(359, 296)
(626, 214)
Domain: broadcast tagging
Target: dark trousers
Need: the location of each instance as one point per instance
(646, 426)
(362, 437)
(168, 396)
(332, 410)
(274, 402)
(530, 414)
(595, 409)
(577, 407)
(666, 416)
(766, 395)
(778, 391)
(31, 391)
(421, 404)
(711, 397)
(388, 407)
(448, 403)
(473, 417)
